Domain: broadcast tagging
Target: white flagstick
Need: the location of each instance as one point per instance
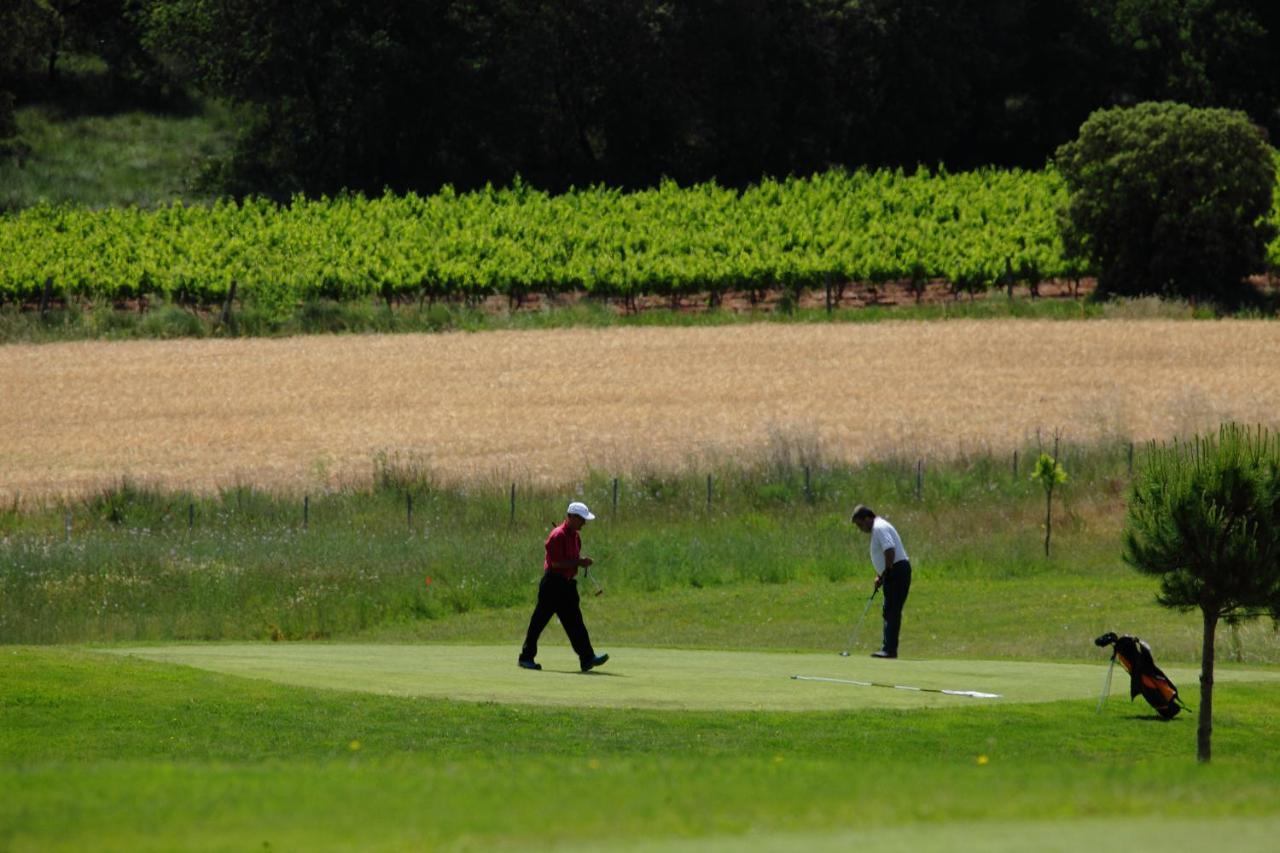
(976, 694)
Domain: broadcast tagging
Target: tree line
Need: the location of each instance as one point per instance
(411, 95)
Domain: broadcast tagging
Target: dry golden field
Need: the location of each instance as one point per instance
(307, 412)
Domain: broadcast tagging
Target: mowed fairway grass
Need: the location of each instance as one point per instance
(447, 745)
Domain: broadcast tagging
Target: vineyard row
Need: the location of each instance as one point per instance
(973, 229)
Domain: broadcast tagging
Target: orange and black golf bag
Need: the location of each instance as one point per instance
(1144, 676)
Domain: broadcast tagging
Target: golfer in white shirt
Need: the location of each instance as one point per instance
(893, 574)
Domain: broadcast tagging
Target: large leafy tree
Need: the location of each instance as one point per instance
(415, 93)
(25, 26)
(1201, 52)
(1204, 517)
(1169, 199)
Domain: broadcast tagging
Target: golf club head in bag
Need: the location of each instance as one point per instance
(1144, 676)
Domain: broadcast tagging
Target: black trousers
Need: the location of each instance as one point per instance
(896, 585)
(558, 596)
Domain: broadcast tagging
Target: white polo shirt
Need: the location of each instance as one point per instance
(884, 537)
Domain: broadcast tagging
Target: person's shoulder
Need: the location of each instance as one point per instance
(883, 526)
(558, 531)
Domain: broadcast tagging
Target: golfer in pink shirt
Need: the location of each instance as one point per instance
(558, 592)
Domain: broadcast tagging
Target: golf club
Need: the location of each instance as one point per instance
(587, 574)
(975, 694)
(1106, 685)
(858, 627)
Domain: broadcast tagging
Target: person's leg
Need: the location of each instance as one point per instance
(542, 613)
(570, 613)
(897, 583)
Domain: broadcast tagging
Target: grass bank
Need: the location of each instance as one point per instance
(771, 562)
(138, 564)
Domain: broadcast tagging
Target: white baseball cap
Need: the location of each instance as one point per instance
(578, 508)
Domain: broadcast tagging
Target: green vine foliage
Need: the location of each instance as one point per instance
(797, 234)
(972, 229)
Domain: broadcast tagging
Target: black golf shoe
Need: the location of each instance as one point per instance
(528, 664)
(883, 654)
(598, 660)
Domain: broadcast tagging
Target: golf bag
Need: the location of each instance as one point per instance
(1144, 676)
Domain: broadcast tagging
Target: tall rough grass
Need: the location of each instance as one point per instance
(104, 321)
(143, 564)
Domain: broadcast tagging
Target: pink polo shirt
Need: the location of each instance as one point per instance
(563, 544)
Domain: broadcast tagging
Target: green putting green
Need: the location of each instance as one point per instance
(678, 679)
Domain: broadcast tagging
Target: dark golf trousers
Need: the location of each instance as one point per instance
(896, 585)
(558, 596)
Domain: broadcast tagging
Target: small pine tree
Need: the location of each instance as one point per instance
(1204, 517)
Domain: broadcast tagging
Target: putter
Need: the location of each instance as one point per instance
(858, 627)
(587, 574)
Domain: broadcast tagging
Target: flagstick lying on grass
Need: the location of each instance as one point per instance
(973, 693)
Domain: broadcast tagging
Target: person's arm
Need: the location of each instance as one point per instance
(889, 555)
(571, 563)
(559, 559)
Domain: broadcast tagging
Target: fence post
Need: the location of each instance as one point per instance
(225, 318)
(408, 502)
(808, 492)
(1015, 464)
(615, 495)
(919, 479)
(513, 503)
(191, 516)
(708, 493)
(306, 512)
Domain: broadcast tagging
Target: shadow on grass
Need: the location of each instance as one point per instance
(1148, 718)
(580, 672)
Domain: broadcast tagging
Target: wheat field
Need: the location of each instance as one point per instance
(546, 406)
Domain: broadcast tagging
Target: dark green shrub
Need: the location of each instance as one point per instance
(1170, 200)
